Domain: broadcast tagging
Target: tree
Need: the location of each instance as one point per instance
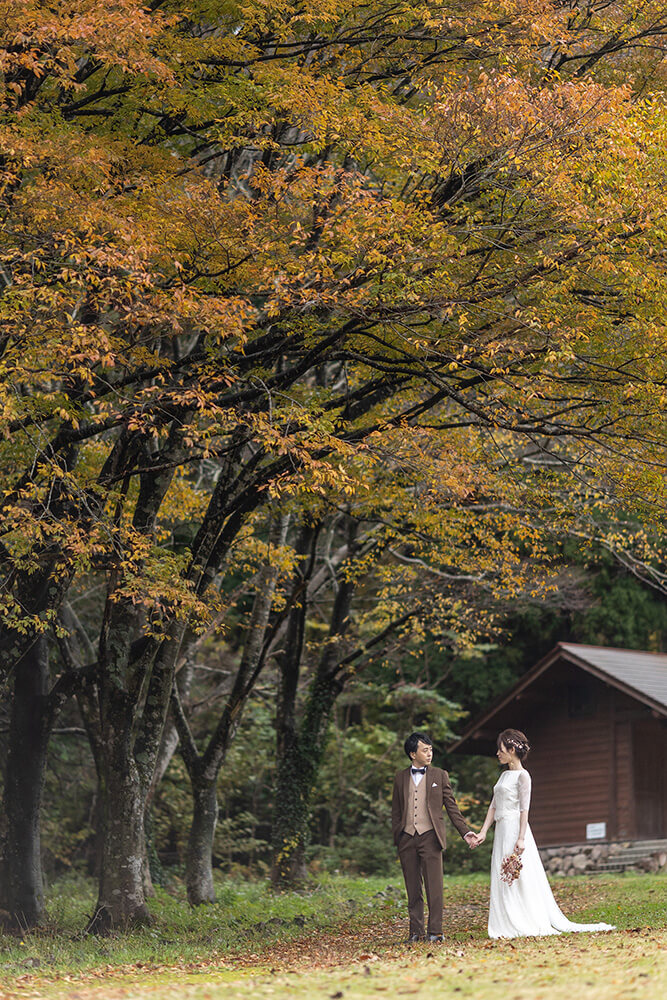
(238, 245)
(404, 560)
(203, 768)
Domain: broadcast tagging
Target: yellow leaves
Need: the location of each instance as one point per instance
(13, 616)
(526, 126)
(475, 223)
(252, 554)
(51, 41)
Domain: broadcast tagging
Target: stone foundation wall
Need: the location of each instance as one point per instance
(577, 859)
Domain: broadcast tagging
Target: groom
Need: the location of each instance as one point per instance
(420, 791)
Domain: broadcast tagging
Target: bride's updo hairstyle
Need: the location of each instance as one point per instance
(515, 740)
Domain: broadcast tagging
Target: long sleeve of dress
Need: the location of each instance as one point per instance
(524, 791)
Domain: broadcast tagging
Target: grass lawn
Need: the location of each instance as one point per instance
(344, 940)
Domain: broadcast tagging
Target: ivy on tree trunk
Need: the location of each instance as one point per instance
(300, 745)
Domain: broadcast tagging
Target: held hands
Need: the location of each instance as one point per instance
(473, 840)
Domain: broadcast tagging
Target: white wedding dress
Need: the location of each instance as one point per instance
(527, 906)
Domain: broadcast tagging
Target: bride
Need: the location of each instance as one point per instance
(525, 906)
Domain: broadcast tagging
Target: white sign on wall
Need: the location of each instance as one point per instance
(596, 831)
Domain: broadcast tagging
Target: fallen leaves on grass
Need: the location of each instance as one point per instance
(358, 946)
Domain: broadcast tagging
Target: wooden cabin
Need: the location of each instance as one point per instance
(596, 718)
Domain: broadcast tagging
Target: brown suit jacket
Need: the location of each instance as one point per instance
(438, 794)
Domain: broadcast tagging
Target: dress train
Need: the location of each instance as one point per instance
(527, 906)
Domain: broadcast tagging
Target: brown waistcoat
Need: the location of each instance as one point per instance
(415, 814)
(438, 793)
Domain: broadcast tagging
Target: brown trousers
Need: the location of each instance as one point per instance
(421, 859)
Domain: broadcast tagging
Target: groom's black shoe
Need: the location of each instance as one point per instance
(435, 939)
(415, 938)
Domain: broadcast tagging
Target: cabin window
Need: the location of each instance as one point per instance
(580, 701)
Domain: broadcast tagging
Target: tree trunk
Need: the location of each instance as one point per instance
(121, 898)
(289, 833)
(203, 769)
(300, 745)
(152, 867)
(298, 765)
(168, 746)
(199, 857)
(21, 883)
(291, 814)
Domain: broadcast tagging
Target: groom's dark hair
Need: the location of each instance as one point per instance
(413, 741)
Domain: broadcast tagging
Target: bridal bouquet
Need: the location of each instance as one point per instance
(510, 869)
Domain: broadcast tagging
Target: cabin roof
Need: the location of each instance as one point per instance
(641, 675)
(638, 671)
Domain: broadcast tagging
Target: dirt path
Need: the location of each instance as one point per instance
(357, 944)
(340, 947)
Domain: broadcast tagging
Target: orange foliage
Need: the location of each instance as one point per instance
(266, 238)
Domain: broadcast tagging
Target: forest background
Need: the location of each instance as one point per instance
(333, 367)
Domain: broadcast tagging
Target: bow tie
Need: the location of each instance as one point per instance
(418, 770)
